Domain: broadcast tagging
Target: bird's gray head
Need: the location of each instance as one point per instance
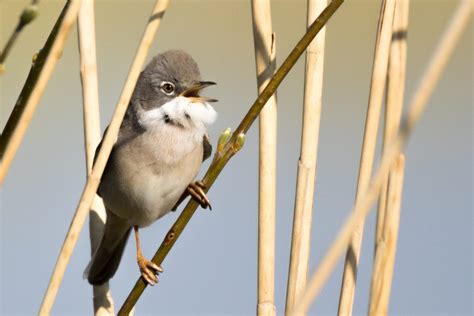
(168, 89)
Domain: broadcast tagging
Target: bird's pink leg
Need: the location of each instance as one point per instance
(148, 269)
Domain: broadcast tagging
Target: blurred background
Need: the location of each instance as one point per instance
(212, 268)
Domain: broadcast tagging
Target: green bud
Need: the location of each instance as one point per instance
(29, 14)
(224, 138)
(239, 142)
(34, 57)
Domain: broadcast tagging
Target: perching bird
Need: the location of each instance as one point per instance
(159, 150)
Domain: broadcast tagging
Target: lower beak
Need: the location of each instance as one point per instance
(192, 93)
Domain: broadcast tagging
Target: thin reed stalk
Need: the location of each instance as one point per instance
(265, 63)
(377, 84)
(228, 147)
(102, 298)
(35, 84)
(29, 13)
(417, 106)
(388, 213)
(387, 246)
(110, 136)
(301, 235)
(395, 93)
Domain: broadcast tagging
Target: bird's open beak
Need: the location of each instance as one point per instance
(192, 93)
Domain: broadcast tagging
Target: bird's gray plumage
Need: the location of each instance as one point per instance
(158, 152)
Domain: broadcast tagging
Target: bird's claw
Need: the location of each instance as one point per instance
(196, 190)
(149, 270)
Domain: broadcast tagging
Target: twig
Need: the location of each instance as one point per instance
(110, 136)
(301, 235)
(395, 92)
(27, 16)
(417, 106)
(225, 152)
(102, 298)
(387, 246)
(265, 52)
(34, 87)
(377, 84)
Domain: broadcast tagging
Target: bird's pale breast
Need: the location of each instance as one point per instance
(143, 186)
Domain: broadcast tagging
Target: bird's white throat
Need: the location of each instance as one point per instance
(182, 112)
(177, 127)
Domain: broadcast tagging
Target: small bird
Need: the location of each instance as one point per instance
(159, 150)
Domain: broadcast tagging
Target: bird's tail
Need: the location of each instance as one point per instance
(106, 259)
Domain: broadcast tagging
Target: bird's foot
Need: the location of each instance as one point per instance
(149, 270)
(196, 190)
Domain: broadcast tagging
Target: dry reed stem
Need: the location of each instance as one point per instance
(109, 139)
(228, 147)
(301, 235)
(387, 246)
(417, 106)
(395, 93)
(381, 277)
(102, 298)
(377, 84)
(35, 85)
(265, 63)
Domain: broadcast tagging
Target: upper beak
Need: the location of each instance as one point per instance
(192, 93)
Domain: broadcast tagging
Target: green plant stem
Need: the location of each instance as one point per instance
(27, 16)
(30, 83)
(233, 145)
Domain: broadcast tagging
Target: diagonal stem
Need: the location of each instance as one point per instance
(225, 152)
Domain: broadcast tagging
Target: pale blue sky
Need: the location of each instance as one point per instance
(212, 268)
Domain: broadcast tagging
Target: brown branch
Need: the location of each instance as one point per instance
(226, 151)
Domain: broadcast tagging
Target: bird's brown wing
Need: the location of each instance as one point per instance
(207, 147)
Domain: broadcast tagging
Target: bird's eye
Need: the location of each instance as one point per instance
(167, 87)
